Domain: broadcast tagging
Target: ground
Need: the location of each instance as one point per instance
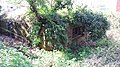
(106, 56)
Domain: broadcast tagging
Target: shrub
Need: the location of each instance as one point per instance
(95, 23)
(10, 58)
(104, 42)
(55, 25)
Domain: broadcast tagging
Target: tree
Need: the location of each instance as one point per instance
(51, 24)
(52, 31)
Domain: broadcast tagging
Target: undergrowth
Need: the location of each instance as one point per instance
(9, 57)
(86, 56)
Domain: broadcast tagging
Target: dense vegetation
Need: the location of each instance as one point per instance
(50, 22)
(87, 56)
(53, 21)
(9, 57)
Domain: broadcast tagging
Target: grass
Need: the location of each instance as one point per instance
(109, 55)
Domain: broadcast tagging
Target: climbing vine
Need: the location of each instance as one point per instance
(54, 17)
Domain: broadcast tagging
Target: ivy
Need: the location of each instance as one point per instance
(56, 24)
(95, 23)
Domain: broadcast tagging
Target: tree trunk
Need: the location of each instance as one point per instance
(43, 22)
